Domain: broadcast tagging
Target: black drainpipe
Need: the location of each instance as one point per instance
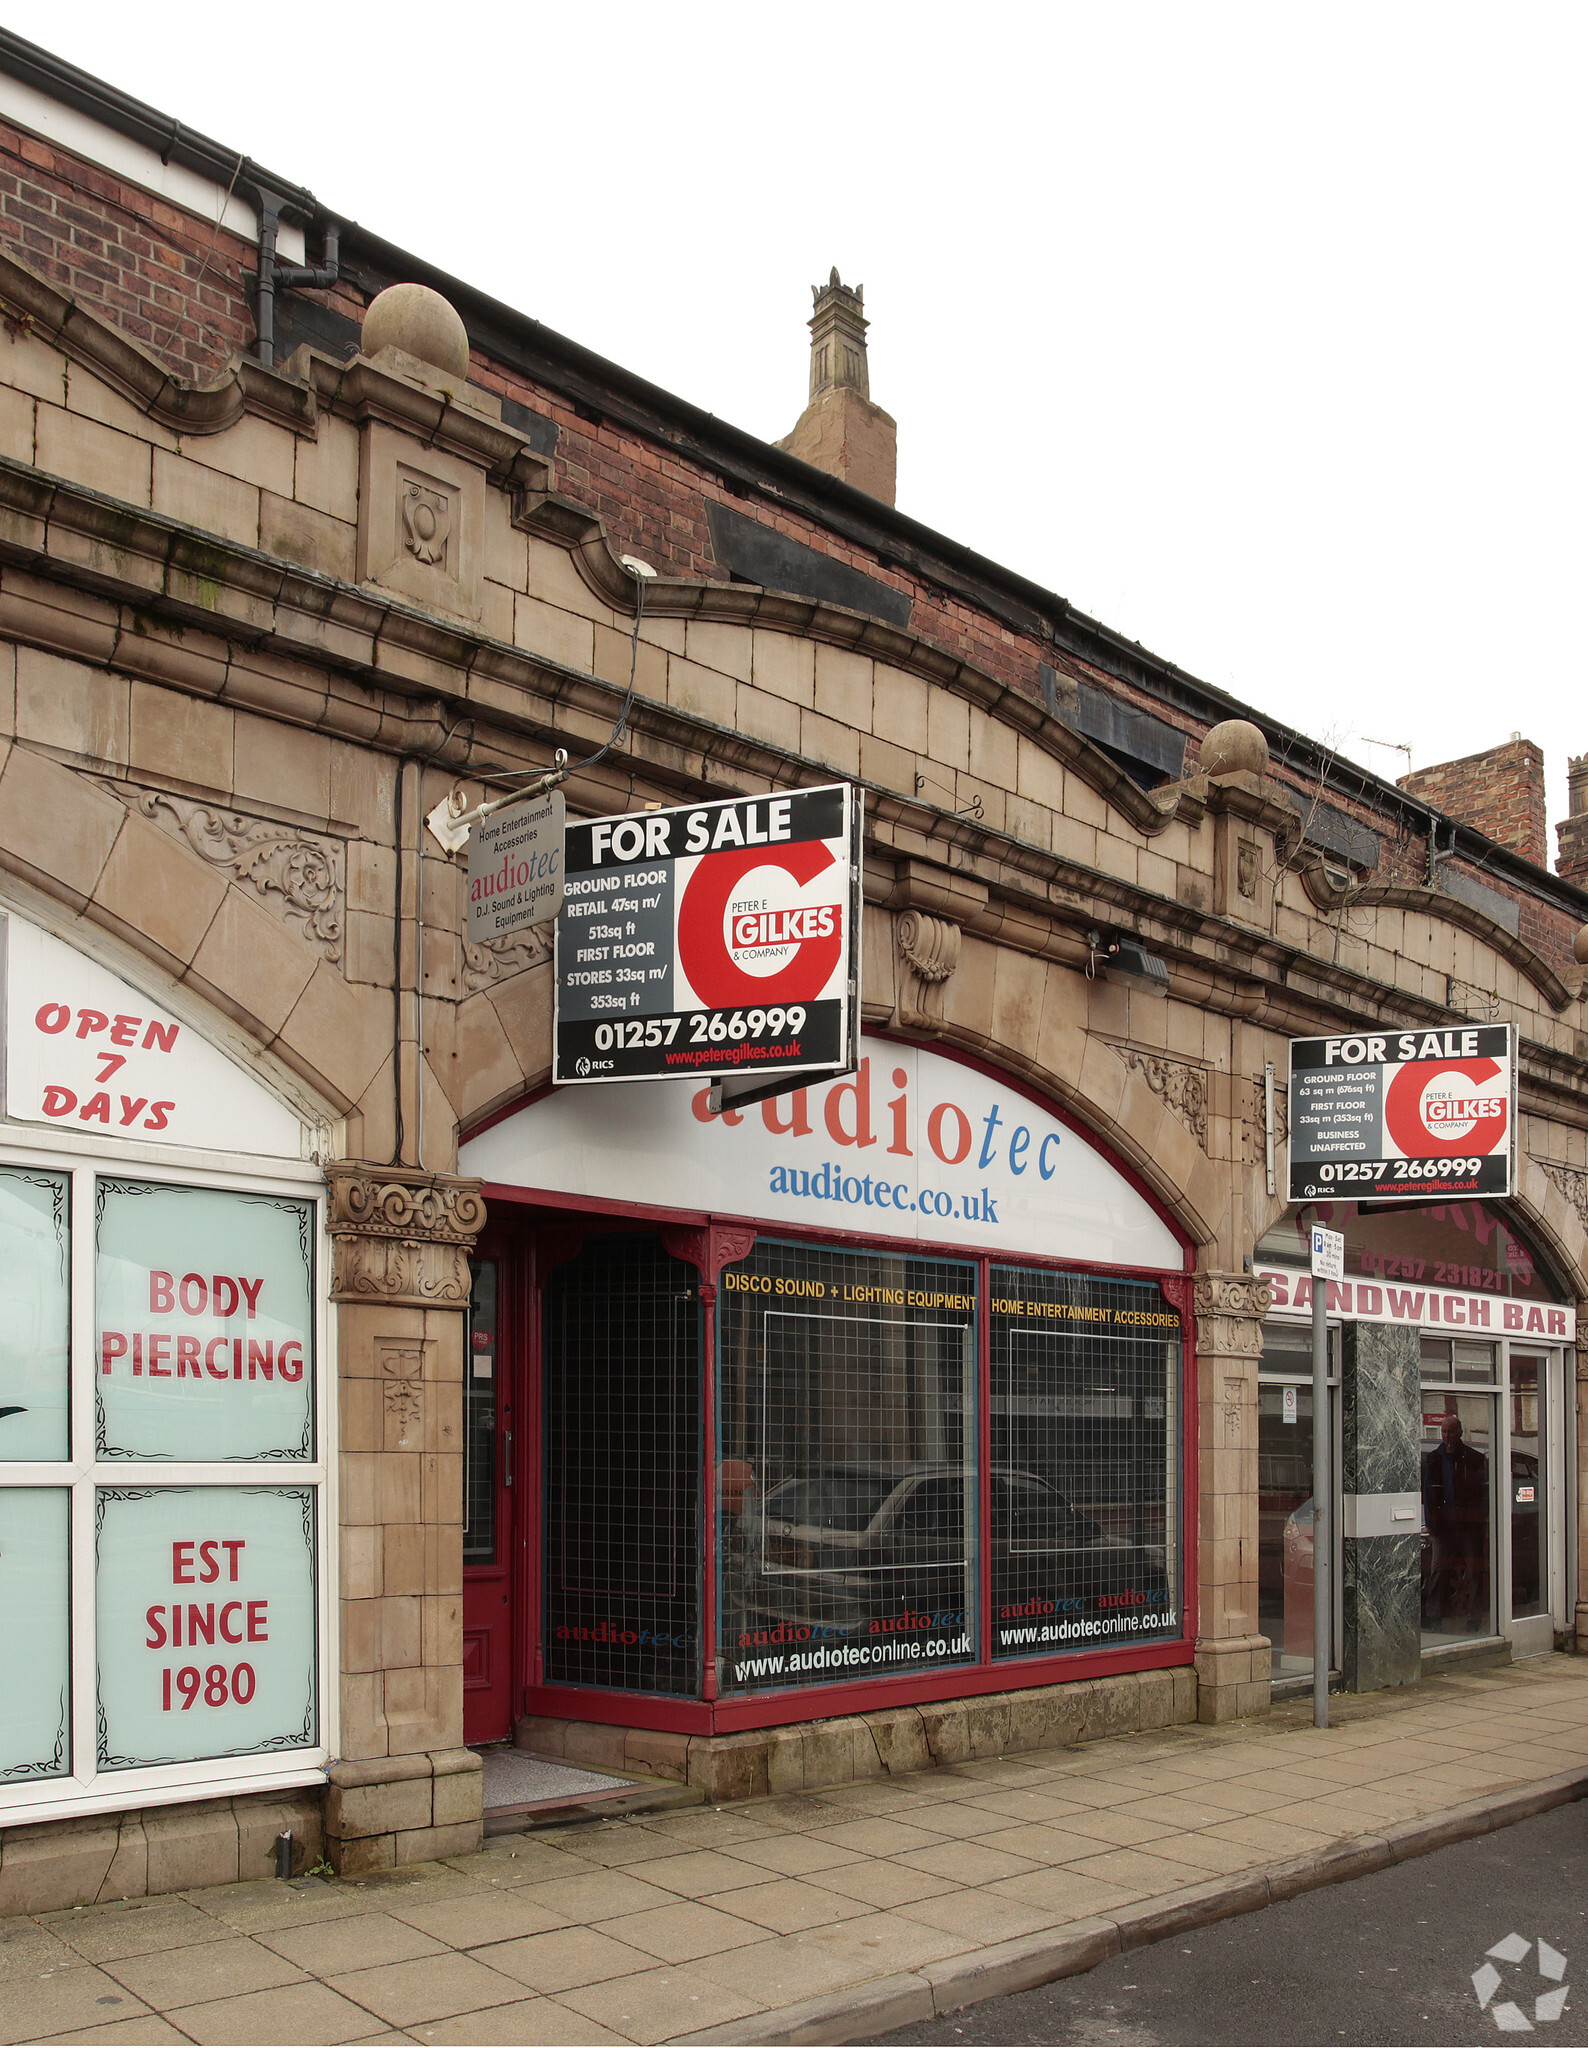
(297, 275)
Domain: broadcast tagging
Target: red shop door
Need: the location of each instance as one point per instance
(489, 1551)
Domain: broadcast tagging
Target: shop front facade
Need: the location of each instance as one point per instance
(871, 1395)
(365, 1399)
(1454, 1342)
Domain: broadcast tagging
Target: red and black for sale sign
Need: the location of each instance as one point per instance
(711, 939)
(1410, 1116)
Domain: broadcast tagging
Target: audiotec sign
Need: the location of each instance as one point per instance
(711, 939)
(910, 1146)
(1403, 1115)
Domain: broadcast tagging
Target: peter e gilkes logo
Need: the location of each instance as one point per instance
(748, 934)
(1524, 1985)
(1440, 1108)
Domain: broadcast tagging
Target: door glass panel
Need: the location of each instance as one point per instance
(1529, 1582)
(1284, 1525)
(480, 1370)
(1457, 1558)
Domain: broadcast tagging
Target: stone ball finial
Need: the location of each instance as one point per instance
(1579, 947)
(421, 323)
(1236, 747)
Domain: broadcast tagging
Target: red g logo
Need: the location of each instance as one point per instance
(817, 936)
(1441, 1123)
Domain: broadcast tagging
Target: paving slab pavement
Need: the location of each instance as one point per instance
(828, 1916)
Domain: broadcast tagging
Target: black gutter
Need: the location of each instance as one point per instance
(751, 467)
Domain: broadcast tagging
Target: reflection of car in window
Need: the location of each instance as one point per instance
(849, 1542)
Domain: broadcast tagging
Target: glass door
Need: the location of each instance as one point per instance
(1459, 1448)
(1285, 1427)
(487, 1517)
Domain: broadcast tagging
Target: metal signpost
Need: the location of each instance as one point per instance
(1328, 1263)
(515, 867)
(1406, 1116)
(712, 942)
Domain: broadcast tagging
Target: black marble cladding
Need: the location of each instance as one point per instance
(1381, 1435)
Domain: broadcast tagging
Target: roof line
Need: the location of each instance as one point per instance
(752, 466)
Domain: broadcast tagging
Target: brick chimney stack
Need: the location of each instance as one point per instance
(1571, 835)
(840, 430)
(1500, 793)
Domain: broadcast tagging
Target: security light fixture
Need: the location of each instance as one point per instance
(1126, 960)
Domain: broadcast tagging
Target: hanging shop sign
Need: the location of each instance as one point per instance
(515, 867)
(87, 1052)
(710, 940)
(911, 1145)
(1403, 1115)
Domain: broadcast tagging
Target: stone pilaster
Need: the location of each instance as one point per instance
(1380, 1454)
(405, 1789)
(1580, 1617)
(1232, 1657)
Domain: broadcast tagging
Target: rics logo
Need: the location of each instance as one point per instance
(1526, 1987)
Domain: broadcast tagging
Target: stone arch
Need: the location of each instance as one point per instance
(78, 858)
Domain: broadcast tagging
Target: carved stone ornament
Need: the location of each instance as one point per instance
(1176, 1082)
(1248, 867)
(1573, 1184)
(928, 955)
(494, 960)
(1230, 1308)
(402, 1236)
(402, 1362)
(300, 876)
(426, 519)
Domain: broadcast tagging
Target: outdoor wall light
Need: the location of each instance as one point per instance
(1127, 961)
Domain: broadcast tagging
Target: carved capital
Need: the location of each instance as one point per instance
(928, 955)
(1230, 1308)
(402, 1236)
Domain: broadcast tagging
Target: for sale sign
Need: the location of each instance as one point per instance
(1403, 1115)
(711, 939)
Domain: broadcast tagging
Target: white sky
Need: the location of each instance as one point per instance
(1256, 331)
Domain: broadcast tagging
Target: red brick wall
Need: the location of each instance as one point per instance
(1500, 793)
(170, 281)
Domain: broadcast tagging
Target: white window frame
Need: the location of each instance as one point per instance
(86, 1789)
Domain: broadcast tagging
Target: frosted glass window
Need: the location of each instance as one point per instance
(36, 1632)
(206, 1622)
(205, 1339)
(35, 1320)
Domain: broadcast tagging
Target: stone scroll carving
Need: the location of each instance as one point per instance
(1573, 1184)
(299, 876)
(402, 1364)
(1176, 1082)
(401, 1236)
(494, 960)
(928, 955)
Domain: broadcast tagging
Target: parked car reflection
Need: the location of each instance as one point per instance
(848, 1543)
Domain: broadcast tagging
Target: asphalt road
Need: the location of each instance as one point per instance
(1385, 1959)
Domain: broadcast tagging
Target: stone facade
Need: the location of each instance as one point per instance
(256, 622)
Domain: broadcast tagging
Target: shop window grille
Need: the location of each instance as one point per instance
(481, 1378)
(621, 1370)
(1083, 1443)
(846, 1482)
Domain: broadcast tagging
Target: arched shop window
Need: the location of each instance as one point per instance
(1469, 1247)
(162, 1426)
